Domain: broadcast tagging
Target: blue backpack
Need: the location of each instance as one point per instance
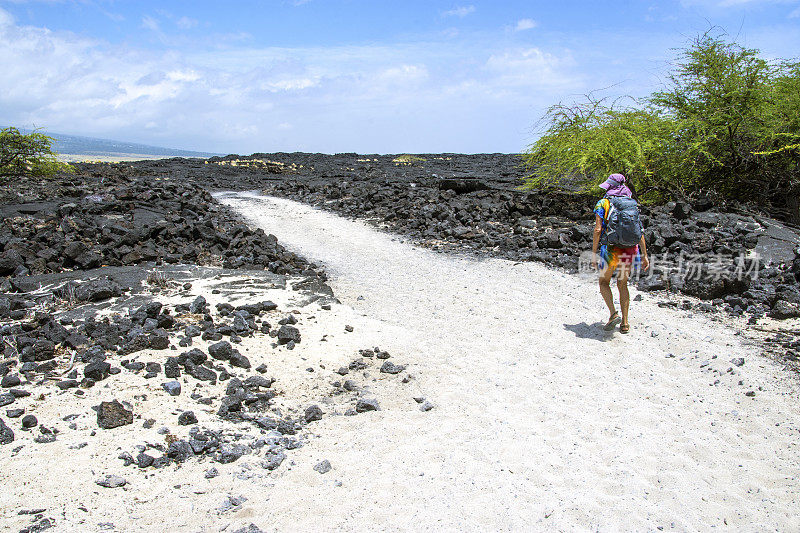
(623, 226)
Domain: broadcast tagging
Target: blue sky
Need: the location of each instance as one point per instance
(345, 76)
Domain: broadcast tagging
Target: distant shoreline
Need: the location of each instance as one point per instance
(112, 158)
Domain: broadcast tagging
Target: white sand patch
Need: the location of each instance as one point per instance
(60, 476)
(542, 421)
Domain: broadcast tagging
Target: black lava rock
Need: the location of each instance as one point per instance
(201, 372)
(313, 413)
(364, 405)
(228, 453)
(255, 382)
(194, 356)
(97, 370)
(97, 290)
(221, 350)
(187, 418)
(112, 414)
(239, 360)
(287, 334)
(143, 460)
(173, 388)
(6, 434)
(180, 450)
(273, 460)
(10, 380)
(158, 340)
(172, 368)
(198, 306)
(390, 368)
(43, 350)
(10, 260)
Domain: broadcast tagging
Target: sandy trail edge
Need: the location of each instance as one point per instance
(541, 420)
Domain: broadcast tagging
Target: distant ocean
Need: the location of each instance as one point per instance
(106, 148)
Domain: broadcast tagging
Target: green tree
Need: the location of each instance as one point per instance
(27, 155)
(591, 139)
(728, 122)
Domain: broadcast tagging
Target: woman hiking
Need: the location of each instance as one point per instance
(624, 256)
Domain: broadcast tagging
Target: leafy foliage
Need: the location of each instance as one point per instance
(728, 123)
(27, 155)
(593, 139)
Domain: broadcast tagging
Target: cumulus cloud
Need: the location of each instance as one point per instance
(525, 24)
(460, 11)
(240, 99)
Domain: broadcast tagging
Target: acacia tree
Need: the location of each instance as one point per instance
(720, 96)
(728, 123)
(595, 138)
(27, 155)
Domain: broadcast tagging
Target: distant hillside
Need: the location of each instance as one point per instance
(74, 144)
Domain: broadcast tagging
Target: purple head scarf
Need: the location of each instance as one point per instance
(615, 186)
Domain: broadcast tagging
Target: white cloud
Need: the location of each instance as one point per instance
(461, 11)
(186, 23)
(530, 66)
(187, 75)
(5, 18)
(404, 73)
(149, 23)
(290, 84)
(239, 99)
(795, 14)
(525, 24)
(116, 17)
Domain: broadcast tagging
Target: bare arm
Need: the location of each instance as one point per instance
(598, 230)
(643, 250)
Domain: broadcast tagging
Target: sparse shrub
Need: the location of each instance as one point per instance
(27, 155)
(727, 124)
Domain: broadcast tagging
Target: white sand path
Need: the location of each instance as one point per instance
(541, 420)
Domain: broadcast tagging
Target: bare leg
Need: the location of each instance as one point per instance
(624, 295)
(605, 290)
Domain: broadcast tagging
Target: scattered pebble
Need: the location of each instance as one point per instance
(187, 418)
(111, 481)
(364, 405)
(323, 467)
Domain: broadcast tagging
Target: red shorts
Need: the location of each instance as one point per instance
(614, 256)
